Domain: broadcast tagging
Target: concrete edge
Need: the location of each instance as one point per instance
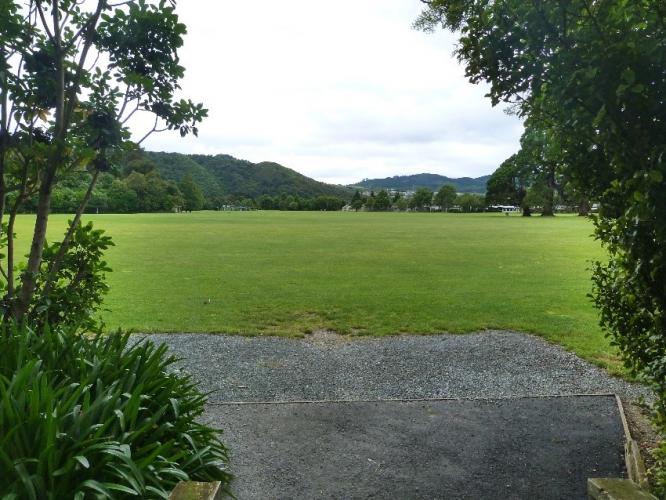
(616, 489)
(632, 453)
(634, 488)
(193, 490)
(406, 400)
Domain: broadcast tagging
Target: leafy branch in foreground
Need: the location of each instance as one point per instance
(73, 75)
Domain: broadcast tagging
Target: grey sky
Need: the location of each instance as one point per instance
(338, 91)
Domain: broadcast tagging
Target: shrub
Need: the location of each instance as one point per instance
(78, 285)
(98, 417)
(630, 294)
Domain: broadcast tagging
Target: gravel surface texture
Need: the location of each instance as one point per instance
(325, 366)
(509, 449)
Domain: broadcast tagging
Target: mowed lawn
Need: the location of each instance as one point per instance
(290, 273)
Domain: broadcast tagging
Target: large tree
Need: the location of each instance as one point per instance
(595, 74)
(446, 197)
(382, 201)
(72, 76)
(508, 185)
(421, 199)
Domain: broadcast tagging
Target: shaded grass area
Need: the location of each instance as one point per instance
(289, 273)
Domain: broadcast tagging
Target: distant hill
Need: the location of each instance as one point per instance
(224, 174)
(432, 181)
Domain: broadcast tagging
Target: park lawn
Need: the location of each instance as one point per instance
(290, 273)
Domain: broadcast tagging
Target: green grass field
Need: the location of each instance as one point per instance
(289, 273)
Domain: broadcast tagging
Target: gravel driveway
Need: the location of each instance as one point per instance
(326, 366)
(423, 417)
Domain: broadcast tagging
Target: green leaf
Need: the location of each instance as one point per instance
(96, 486)
(656, 176)
(120, 487)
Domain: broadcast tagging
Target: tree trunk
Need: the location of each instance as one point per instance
(10, 254)
(584, 207)
(4, 138)
(548, 204)
(29, 276)
(68, 237)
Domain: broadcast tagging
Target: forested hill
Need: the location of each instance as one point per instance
(431, 181)
(226, 175)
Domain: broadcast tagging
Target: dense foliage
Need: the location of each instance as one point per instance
(536, 176)
(98, 417)
(590, 77)
(73, 296)
(164, 182)
(446, 197)
(508, 185)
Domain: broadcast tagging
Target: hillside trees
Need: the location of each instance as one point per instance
(595, 74)
(72, 76)
(193, 197)
(326, 203)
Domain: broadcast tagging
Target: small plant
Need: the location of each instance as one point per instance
(71, 283)
(98, 417)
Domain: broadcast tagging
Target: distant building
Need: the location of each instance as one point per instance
(505, 209)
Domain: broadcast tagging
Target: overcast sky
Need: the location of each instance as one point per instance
(338, 91)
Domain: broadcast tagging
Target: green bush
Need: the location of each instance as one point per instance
(98, 417)
(630, 294)
(78, 286)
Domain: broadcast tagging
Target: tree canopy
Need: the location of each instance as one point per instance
(72, 77)
(421, 199)
(446, 196)
(590, 77)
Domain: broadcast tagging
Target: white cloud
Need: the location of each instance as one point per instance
(338, 91)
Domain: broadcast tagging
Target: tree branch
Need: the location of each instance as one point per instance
(126, 101)
(154, 129)
(44, 23)
(124, 120)
(71, 94)
(10, 230)
(64, 245)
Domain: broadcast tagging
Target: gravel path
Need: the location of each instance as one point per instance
(493, 440)
(326, 366)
